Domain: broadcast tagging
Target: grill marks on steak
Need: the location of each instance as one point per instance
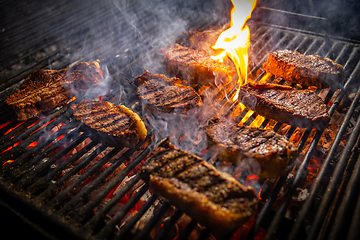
(269, 153)
(211, 197)
(82, 76)
(301, 108)
(166, 94)
(40, 92)
(196, 66)
(307, 70)
(114, 124)
(43, 90)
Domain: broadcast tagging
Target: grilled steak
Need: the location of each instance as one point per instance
(43, 90)
(166, 94)
(269, 154)
(196, 66)
(310, 70)
(211, 197)
(40, 92)
(301, 108)
(114, 124)
(82, 76)
(202, 40)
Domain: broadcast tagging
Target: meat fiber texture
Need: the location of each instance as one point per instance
(164, 94)
(299, 108)
(116, 125)
(196, 66)
(211, 197)
(44, 90)
(266, 153)
(307, 70)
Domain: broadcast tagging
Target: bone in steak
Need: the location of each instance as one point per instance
(116, 125)
(82, 76)
(196, 66)
(307, 70)
(300, 108)
(211, 197)
(269, 154)
(166, 94)
(43, 90)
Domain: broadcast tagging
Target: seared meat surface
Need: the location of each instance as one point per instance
(166, 94)
(211, 197)
(196, 66)
(307, 70)
(40, 92)
(268, 153)
(114, 124)
(300, 108)
(43, 90)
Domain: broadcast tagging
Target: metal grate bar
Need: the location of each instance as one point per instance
(108, 229)
(51, 189)
(354, 232)
(333, 184)
(84, 192)
(344, 214)
(164, 232)
(59, 198)
(111, 185)
(153, 221)
(43, 167)
(30, 131)
(318, 183)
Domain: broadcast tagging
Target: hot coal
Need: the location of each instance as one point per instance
(307, 70)
(116, 125)
(211, 197)
(300, 108)
(269, 152)
(164, 94)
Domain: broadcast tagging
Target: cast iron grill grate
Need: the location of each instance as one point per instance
(53, 170)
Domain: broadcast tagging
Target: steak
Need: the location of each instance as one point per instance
(267, 153)
(196, 66)
(211, 197)
(164, 94)
(300, 108)
(40, 92)
(82, 76)
(114, 124)
(44, 90)
(307, 70)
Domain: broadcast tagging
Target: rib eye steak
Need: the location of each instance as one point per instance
(164, 94)
(196, 66)
(114, 124)
(307, 70)
(43, 90)
(268, 153)
(211, 197)
(300, 108)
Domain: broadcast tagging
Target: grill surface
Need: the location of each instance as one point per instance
(63, 181)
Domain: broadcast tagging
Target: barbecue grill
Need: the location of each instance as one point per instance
(59, 180)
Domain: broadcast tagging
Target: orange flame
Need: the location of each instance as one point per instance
(235, 40)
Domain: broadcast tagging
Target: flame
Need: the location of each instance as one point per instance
(235, 40)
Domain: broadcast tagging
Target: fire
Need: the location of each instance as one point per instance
(235, 40)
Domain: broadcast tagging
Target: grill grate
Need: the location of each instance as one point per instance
(53, 170)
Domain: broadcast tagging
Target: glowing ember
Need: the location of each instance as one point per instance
(8, 161)
(235, 40)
